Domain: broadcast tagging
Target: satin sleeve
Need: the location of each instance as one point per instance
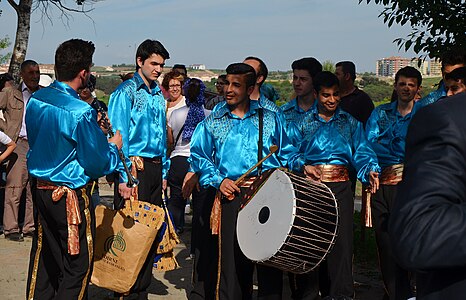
(364, 158)
(119, 112)
(90, 154)
(289, 138)
(202, 157)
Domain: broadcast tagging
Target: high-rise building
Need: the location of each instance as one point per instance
(387, 67)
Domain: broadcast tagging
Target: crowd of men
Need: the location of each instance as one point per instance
(330, 132)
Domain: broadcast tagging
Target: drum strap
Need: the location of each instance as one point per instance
(260, 142)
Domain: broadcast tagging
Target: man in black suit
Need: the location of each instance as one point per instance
(428, 223)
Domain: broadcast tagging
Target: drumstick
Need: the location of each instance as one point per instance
(272, 149)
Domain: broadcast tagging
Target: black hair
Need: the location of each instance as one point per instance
(453, 57)
(348, 67)
(4, 78)
(310, 64)
(262, 67)
(409, 72)
(222, 77)
(149, 47)
(27, 63)
(457, 74)
(243, 69)
(72, 57)
(180, 66)
(325, 79)
(192, 89)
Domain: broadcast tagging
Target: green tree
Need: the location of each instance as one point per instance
(328, 65)
(4, 43)
(437, 25)
(23, 9)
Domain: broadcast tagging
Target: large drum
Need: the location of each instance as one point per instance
(290, 223)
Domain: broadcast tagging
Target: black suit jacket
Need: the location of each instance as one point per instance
(428, 223)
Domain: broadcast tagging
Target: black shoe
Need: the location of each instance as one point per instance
(28, 234)
(15, 237)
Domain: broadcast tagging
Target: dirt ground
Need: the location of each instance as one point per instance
(14, 259)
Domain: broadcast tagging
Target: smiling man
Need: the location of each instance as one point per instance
(223, 147)
(332, 142)
(137, 109)
(386, 131)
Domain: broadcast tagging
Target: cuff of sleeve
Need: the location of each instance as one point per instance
(216, 181)
(298, 165)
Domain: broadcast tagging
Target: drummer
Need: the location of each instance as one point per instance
(332, 141)
(223, 147)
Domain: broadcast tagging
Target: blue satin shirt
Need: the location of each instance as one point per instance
(340, 141)
(140, 116)
(226, 146)
(66, 146)
(431, 98)
(386, 132)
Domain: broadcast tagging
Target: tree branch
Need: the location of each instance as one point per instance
(13, 4)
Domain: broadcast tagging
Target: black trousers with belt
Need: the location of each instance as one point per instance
(149, 190)
(336, 272)
(396, 280)
(53, 272)
(236, 272)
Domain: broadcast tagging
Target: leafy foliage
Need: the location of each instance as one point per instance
(328, 65)
(437, 25)
(4, 43)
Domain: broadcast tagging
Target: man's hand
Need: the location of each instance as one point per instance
(104, 123)
(312, 172)
(374, 181)
(124, 190)
(116, 139)
(190, 181)
(228, 188)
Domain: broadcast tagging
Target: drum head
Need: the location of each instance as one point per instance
(265, 222)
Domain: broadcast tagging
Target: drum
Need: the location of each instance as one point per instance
(290, 223)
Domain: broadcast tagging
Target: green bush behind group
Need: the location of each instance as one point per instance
(378, 88)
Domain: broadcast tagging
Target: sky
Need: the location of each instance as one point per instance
(219, 32)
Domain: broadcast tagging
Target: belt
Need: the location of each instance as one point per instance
(73, 214)
(333, 173)
(154, 160)
(392, 175)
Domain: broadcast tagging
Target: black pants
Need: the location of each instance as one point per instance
(396, 280)
(236, 270)
(336, 272)
(149, 190)
(176, 204)
(205, 246)
(53, 273)
(270, 283)
(305, 286)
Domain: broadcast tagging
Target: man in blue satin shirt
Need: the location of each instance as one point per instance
(223, 147)
(386, 131)
(304, 70)
(137, 109)
(332, 141)
(67, 148)
(451, 60)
